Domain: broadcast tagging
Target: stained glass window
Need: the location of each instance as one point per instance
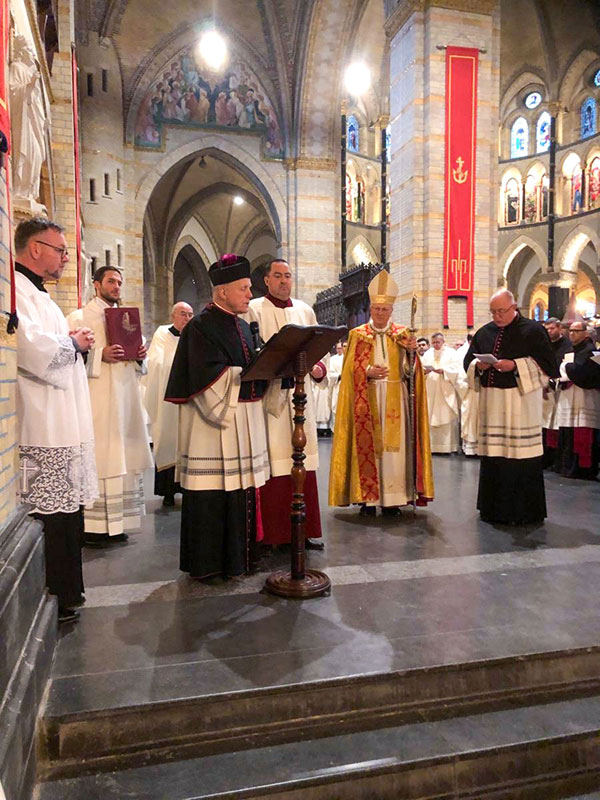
(352, 134)
(388, 142)
(597, 78)
(543, 132)
(588, 118)
(519, 138)
(545, 189)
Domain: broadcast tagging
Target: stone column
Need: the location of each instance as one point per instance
(65, 293)
(313, 225)
(416, 29)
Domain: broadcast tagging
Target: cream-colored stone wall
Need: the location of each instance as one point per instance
(417, 110)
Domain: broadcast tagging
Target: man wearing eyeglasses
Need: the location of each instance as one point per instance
(509, 362)
(578, 408)
(54, 415)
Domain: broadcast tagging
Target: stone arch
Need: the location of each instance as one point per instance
(574, 244)
(361, 240)
(507, 259)
(190, 277)
(232, 153)
(186, 212)
(188, 239)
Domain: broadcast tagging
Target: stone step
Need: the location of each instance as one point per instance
(535, 752)
(80, 740)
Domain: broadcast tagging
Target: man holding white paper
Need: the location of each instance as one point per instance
(578, 408)
(508, 363)
(122, 449)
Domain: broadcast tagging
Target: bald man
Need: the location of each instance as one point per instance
(509, 362)
(164, 416)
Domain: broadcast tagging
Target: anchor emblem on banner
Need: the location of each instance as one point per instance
(458, 174)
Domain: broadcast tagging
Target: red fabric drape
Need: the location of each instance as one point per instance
(5, 148)
(459, 204)
(77, 177)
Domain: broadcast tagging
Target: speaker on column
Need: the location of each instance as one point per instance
(558, 300)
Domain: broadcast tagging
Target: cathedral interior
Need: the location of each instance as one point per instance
(453, 658)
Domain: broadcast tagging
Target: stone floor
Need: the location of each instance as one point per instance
(437, 587)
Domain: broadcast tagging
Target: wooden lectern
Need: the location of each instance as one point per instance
(291, 353)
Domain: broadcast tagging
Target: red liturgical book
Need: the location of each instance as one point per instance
(123, 327)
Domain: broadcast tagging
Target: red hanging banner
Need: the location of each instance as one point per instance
(77, 177)
(459, 204)
(4, 113)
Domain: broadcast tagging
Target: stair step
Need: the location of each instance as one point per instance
(536, 752)
(113, 737)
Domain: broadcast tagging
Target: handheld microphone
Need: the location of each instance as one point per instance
(255, 336)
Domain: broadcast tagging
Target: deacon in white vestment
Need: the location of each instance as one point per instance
(442, 370)
(515, 364)
(577, 415)
(164, 417)
(54, 416)
(122, 448)
(335, 373)
(222, 452)
(272, 312)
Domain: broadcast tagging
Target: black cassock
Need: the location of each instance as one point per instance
(218, 528)
(511, 490)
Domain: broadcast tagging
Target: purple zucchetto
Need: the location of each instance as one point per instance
(229, 268)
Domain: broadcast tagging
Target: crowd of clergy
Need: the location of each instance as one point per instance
(520, 395)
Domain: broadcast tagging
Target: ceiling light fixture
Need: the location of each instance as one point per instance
(238, 200)
(212, 49)
(357, 78)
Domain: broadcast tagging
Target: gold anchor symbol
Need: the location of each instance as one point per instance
(458, 174)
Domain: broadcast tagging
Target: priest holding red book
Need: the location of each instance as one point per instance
(122, 448)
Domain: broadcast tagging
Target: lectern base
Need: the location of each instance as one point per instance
(313, 584)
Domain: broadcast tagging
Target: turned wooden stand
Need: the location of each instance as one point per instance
(299, 582)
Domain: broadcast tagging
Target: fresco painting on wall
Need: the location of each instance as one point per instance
(594, 200)
(182, 95)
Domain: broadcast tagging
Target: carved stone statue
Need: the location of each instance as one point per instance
(28, 125)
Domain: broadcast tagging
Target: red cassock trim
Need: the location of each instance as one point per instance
(187, 399)
(460, 176)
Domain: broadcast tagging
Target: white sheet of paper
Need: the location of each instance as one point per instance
(596, 356)
(487, 358)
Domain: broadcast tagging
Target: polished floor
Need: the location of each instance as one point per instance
(436, 587)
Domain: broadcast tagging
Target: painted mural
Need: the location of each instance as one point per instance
(187, 95)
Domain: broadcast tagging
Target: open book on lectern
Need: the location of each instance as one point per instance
(277, 358)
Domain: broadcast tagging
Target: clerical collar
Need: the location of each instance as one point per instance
(174, 331)
(279, 303)
(224, 310)
(380, 330)
(37, 281)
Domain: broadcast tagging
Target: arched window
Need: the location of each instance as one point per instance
(588, 118)
(388, 142)
(519, 138)
(352, 141)
(512, 204)
(594, 184)
(530, 211)
(542, 133)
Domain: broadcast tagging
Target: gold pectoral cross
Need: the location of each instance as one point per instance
(458, 174)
